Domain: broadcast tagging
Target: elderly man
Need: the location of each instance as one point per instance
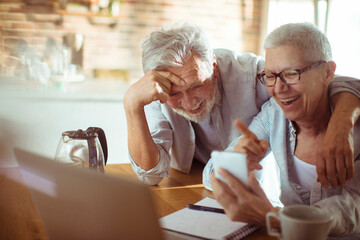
(298, 71)
(184, 106)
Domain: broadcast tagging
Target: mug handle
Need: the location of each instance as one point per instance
(269, 228)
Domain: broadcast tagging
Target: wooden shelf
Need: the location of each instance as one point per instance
(86, 14)
(53, 7)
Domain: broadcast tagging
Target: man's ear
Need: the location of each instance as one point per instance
(216, 70)
(330, 71)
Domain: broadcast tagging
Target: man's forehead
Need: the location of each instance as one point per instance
(191, 74)
(190, 69)
(189, 82)
(185, 72)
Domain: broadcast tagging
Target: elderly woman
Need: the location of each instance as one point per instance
(298, 70)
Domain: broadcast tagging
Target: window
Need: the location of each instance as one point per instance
(343, 31)
(339, 19)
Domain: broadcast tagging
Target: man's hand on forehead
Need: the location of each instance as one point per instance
(153, 86)
(163, 81)
(172, 78)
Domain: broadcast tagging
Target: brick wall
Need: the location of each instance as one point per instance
(114, 42)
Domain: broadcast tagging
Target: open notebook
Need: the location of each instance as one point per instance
(206, 225)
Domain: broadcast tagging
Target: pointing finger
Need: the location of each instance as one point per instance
(243, 129)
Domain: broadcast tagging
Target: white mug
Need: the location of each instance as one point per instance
(300, 222)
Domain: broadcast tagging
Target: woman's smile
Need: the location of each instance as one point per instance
(289, 101)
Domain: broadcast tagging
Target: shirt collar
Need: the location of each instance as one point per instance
(218, 90)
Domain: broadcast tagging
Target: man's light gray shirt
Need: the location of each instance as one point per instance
(239, 95)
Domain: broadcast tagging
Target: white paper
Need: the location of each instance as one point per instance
(201, 223)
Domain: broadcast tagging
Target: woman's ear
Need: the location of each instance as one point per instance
(330, 71)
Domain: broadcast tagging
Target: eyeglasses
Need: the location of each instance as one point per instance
(290, 77)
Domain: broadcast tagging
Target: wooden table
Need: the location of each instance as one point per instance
(19, 219)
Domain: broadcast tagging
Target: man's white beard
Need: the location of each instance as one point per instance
(201, 115)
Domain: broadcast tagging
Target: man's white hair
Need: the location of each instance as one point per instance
(173, 45)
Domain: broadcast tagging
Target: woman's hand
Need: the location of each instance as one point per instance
(250, 145)
(241, 203)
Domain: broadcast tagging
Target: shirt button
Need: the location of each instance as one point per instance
(298, 187)
(191, 143)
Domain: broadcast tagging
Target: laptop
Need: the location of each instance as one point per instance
(77, 203)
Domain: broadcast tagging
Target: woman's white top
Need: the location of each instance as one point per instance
(304, 173)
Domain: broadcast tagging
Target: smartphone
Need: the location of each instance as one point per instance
(233, 162)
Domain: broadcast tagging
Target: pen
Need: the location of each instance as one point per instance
(204, 208)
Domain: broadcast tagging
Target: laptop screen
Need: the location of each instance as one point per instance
(78, 203)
